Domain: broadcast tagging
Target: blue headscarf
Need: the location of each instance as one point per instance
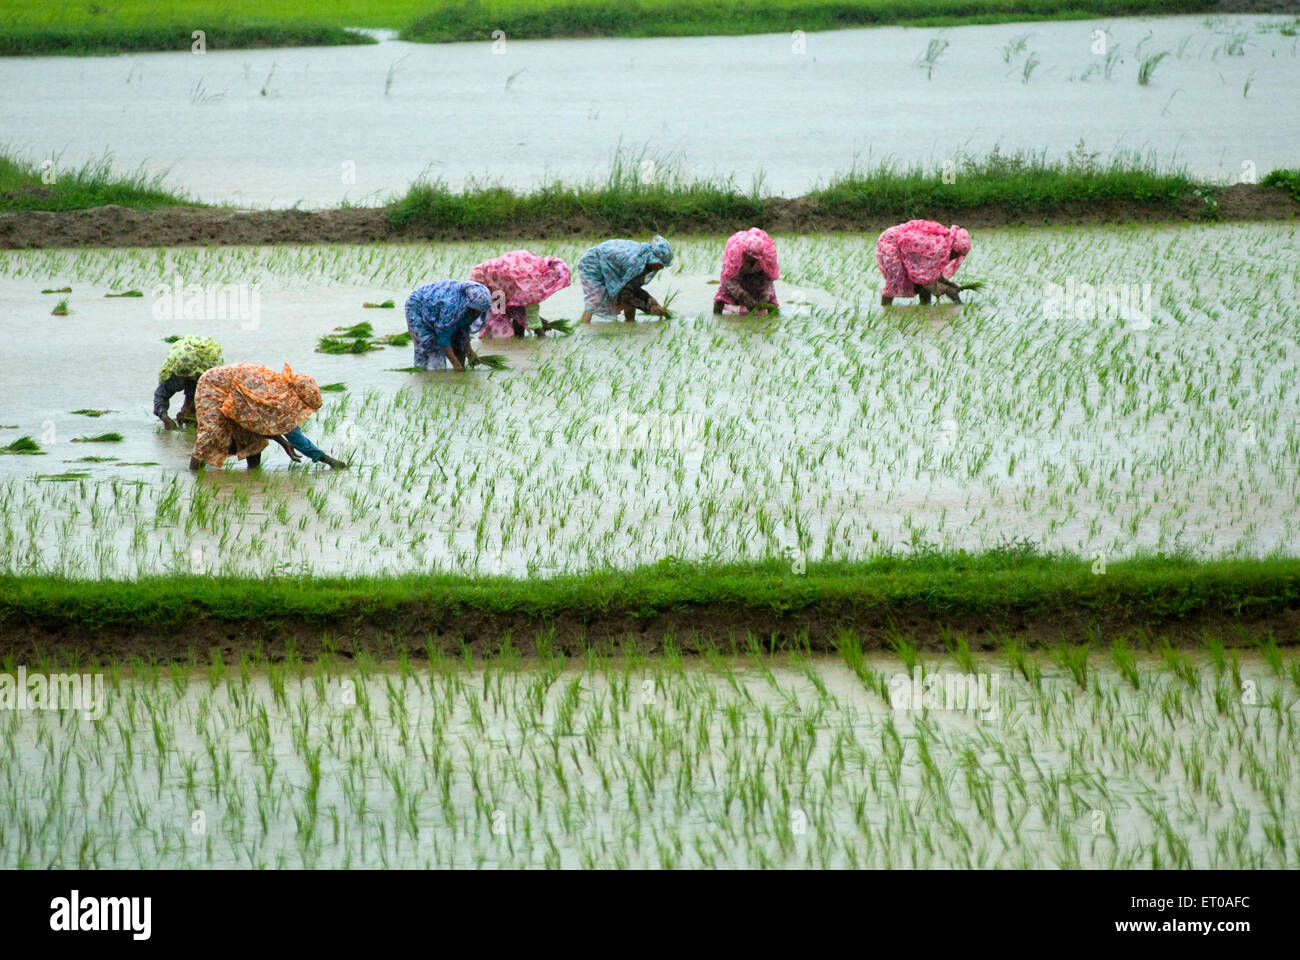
(437, 311)
(614, 264)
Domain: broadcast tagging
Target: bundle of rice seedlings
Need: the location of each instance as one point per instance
(358, 331)
(333, 387)
(60, 308)
(172, 339)
(23, 445)
(667, 303)
(493, 361)
(562, 327)
(126, 293)
(397, 339)
(91, 413)
(336, 346)
(386, 305)
(58, 290)
(102, 438)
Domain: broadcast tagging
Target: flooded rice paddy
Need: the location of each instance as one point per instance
(316, 126)
(1182, 762)
(1116, 421)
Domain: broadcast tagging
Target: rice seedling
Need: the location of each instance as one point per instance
(933, 51)
(562, 327)
(1028, 67)
(23, 445)
(60, 308)
(334, 345)
(1148, 67)
(358, 331)
(492, 361)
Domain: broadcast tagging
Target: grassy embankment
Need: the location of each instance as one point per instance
(522, 19)
(93, 185)
(46, 27)
(641, 192)
(628, 200)
(987, 599)
(40, 27)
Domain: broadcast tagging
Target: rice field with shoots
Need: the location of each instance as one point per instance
(1084, 759)
(1057, 417)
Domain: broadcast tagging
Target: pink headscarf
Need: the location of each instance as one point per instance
(919, 252)
(758, 245)
(522, 277)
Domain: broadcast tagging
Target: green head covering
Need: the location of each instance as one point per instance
(190, 357)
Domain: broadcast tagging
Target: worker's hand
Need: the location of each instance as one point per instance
(335, 464)
(168, 423)
(656, 308)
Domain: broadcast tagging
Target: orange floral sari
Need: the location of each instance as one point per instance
(243, 404)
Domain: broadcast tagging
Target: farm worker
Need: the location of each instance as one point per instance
(187, 360)
(442, 316)
(241, 406)
(921, 256)
(517, 280)
(749, 268)
(613, 273)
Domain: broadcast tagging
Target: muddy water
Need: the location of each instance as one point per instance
(316, 126)
(735, 764)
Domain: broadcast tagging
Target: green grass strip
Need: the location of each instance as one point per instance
(523, 19)
(80, 39)
(26, 186)
(1019, 182)
(995, 584)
